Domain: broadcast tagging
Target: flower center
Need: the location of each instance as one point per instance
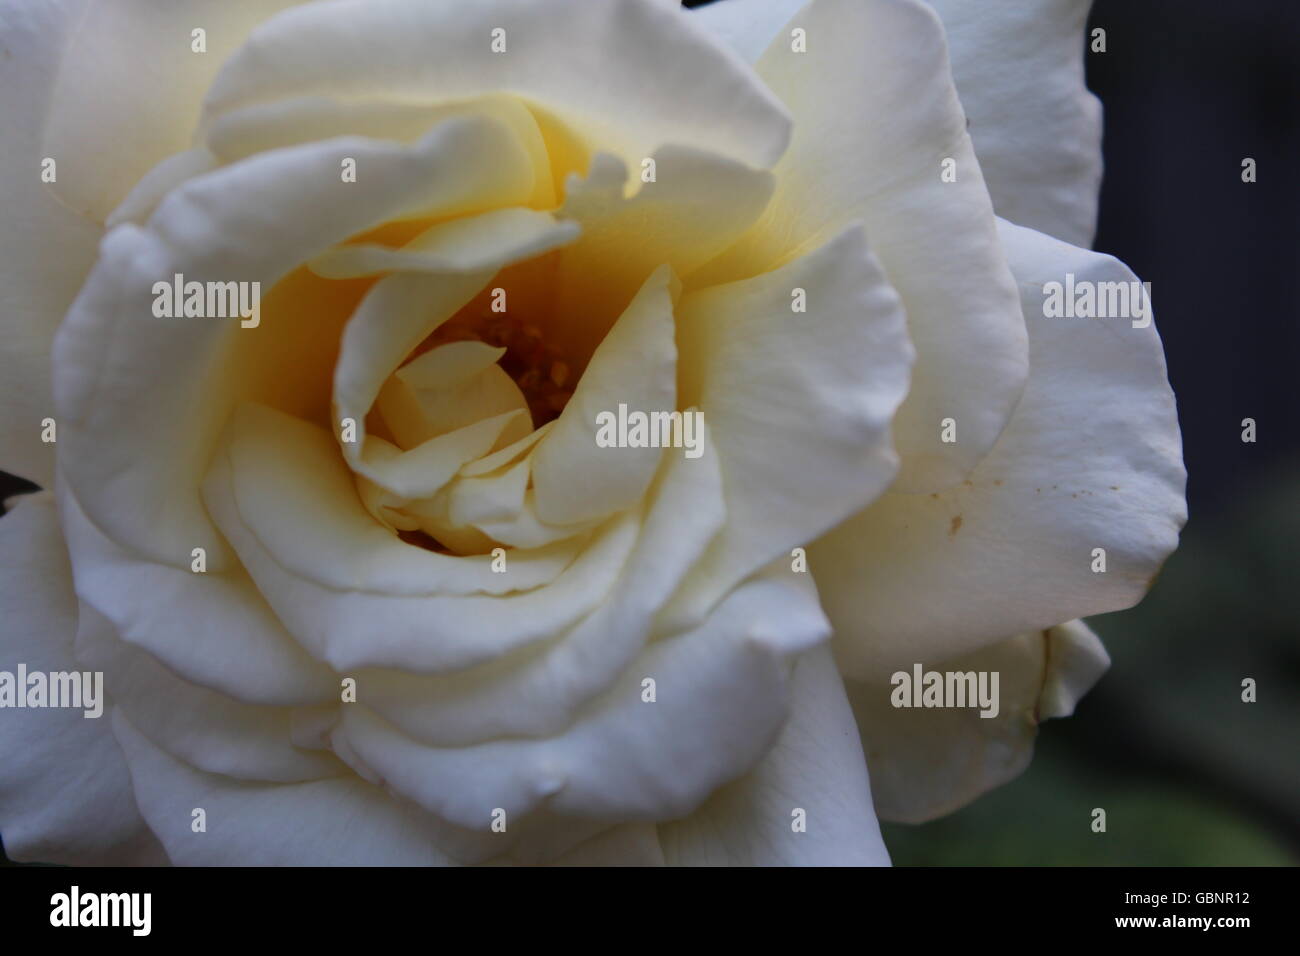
(514, 313)
(538, 368)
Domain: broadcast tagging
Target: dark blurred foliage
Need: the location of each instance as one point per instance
(1187, 772)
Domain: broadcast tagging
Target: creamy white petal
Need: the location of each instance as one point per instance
(927, 762)
(289, 122)
(291, 489)
(814, 776)
(694, 205)
(1092, 459)
(661, 79)
(721, 699)
(205, 728)
(1019, 70)
(470, 244)
(123, 55)
(65, 795)
(635, 366)
(877, 116)
(799, 403)
(632, 844)
(371, 600)
(231, 641)
(337, 822)
(539, 692)
(135, 462)
(747, 26)
(45, 248)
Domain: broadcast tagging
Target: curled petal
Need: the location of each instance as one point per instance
(883, 163)
(926, 763)
(799, 403)
(1092, 460)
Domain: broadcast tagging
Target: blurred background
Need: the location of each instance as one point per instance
(1187, 772)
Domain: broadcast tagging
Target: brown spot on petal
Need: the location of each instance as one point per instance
(956, 525)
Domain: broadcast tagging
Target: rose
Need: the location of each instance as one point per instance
(521, 697)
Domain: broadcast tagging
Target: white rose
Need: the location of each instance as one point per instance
(560, 652)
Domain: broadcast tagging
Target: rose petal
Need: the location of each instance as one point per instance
(799, 403)
(539, 692)
(125, 53)
(661, 79)
(354, 595)
(337, 822)
(881, 163)
(65, 795)
(1036, 127)
(816, 766)
(1091, 459)
(291, 489)
(45, 248)
(721, 693)
(207, 729)
(697, 205)
(926, 763)
(290, 122)
(1019, 71)
(135, 462)
(470, 244)
(747, 26)
(636, 366)
(632, 844)
(232, 641)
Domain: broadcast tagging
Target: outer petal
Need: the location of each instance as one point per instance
(45, 249)
(123, 55)
(206, 728)
(815, 765)
(928, 762)
(876, 118)
(232, 642)
(1018, 65)
(337, 822)
(747, 26)
(660, 79)
(65, 795)
(1091, 459)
